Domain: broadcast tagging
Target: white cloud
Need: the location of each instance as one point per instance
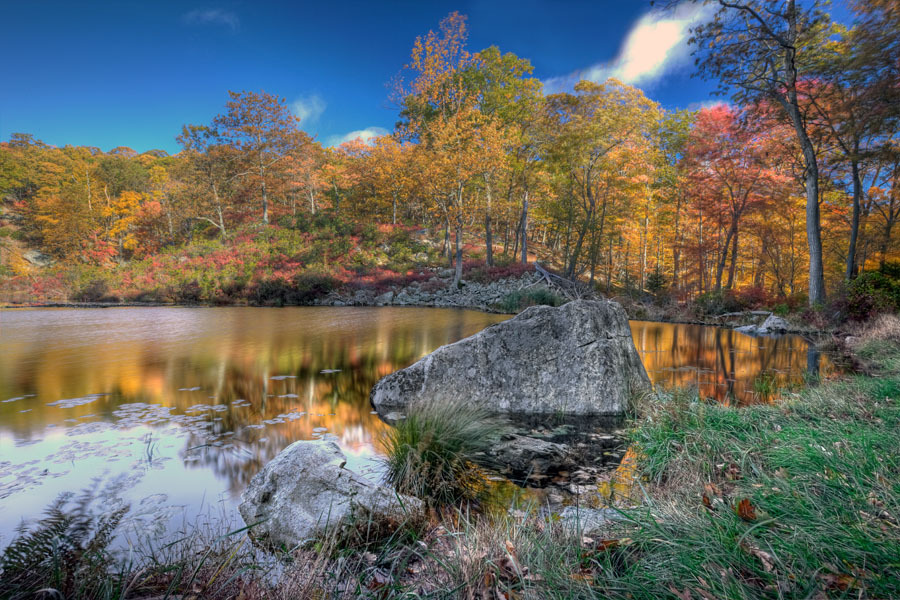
(706, 104)
(365, 135)
(656, 44)
(309, 108)
(212, 16)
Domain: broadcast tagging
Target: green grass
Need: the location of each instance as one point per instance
(821, 472)
(433, 453)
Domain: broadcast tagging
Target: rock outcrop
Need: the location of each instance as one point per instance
(306, 490)
(578, 359)
(38, 258)
(439, 292)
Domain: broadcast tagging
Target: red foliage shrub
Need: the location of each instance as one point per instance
(478, 272)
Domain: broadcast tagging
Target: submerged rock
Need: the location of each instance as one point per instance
(522, 457)
(578, 359)
(305, 491)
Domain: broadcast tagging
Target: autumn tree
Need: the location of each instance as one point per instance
(262, 129)
(727, 157)
(595, 139)
(764, 51)
(502, 88)
(209, 170)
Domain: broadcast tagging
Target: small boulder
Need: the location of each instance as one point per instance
(384, 299)
(771, 326)
(774, 324)
(305, 491)
(403, 298)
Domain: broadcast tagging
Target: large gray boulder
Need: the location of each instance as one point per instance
(305, 491)
(578, 359)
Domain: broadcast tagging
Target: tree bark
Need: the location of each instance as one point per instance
(525, 228)
(457, 277)
(850, 271)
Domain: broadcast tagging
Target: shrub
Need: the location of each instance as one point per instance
(303, 288)
(717, 302)
(272, 292)
(189, 292)
(432, 453)
(309, 286)
(872, 293)
(752, 297)
(96, 290)
(522, 299)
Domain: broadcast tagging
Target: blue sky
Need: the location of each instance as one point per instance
(131, 73)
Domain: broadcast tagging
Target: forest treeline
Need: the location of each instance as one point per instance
(789, 190)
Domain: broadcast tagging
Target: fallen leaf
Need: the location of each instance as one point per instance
(840, 581)
(378, 580)
(603, 545)
(713, 490)
(745, 510)
(707, 503)
(584, 576)
(684, 594)
(733, 472)
(767, 560)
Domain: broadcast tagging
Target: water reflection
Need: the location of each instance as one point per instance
(187, 404)
(724, 364)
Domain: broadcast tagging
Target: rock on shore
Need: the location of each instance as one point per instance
(578, 359)
(773, 325)
(306, 490)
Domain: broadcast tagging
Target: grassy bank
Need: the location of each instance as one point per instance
(799, 499)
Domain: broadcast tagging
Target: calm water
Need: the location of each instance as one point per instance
(177, 408)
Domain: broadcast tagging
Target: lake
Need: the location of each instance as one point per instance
(174, 409)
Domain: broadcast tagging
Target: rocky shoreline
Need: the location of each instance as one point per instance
(438, 292)
(486, 297)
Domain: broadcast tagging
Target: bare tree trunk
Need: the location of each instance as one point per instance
(457, 277)
(813, 220)
(488, 235)
(850, 271)
(723, 258)
(446, 249)
(734, 257)
(525, 228)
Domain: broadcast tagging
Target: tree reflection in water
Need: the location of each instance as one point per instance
(220, 391)
(722, 363)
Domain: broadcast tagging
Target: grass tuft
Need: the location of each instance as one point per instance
(433, 453)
